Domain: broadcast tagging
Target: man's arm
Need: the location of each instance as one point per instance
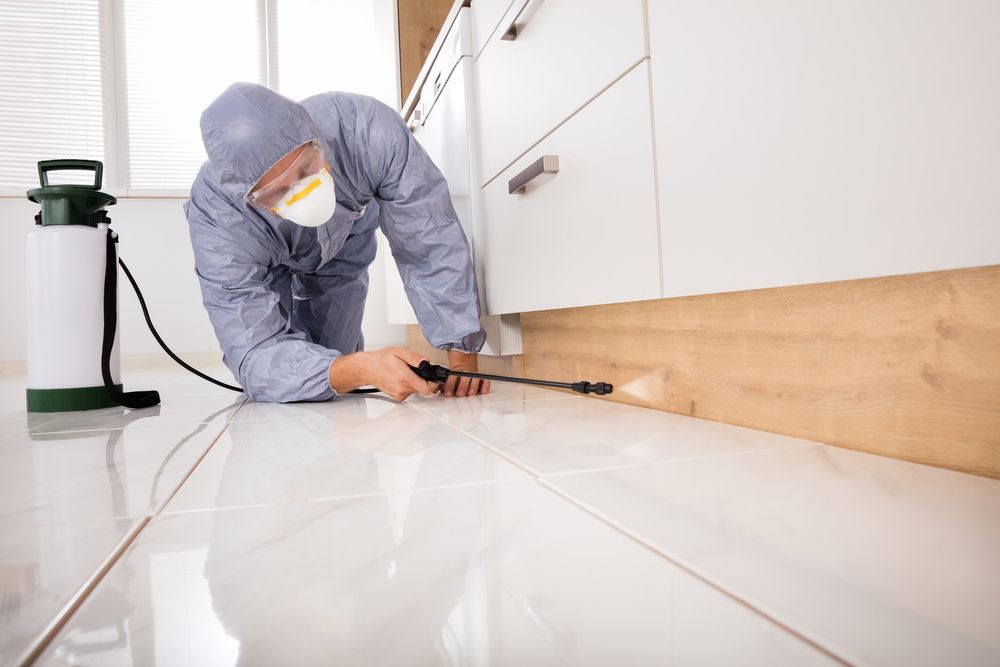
(428, 245)
(249, 308)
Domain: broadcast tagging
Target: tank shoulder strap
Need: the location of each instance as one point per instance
(129, 399)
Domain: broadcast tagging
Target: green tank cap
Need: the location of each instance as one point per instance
(71, 204)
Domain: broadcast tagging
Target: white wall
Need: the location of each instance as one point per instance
(156, 247)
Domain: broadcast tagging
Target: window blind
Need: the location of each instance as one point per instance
(51, 102)
(178, 57)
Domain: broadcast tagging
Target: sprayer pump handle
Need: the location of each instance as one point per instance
(96, 166)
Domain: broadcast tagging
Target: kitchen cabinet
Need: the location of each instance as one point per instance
(588, 233)
(485, 16)
(443, 127)
(564, 53)
(823, 141)
(702, 147)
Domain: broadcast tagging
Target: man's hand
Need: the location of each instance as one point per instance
(459, 361)
(387, 369)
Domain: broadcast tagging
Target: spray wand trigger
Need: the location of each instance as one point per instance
(435, 373)
(430, 372)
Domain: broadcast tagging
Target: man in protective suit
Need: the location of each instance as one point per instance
(282, 219)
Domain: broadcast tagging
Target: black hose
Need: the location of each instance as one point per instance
(156, 335)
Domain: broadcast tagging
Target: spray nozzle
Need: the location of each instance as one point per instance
(599, 388)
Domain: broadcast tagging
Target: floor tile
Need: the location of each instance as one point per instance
(173, 409)
(188, 384)
(41, 568)
(50, 478)
(18, 422)
(291, 452)
(504, 573)
(884, 562)
(500, 392)
(586, 433)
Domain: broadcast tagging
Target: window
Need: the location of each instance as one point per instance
(178, 57)
(50, 85)
(162, 64)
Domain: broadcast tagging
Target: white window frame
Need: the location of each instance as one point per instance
(115, 113)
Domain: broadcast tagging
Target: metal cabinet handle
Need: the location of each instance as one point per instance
(547, 164)
(510, 33)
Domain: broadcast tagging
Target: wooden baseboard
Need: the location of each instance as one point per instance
(905, 366)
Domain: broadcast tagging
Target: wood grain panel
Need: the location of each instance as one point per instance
(419, 24)
(906, 366)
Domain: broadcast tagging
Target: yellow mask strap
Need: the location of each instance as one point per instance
(303, 193)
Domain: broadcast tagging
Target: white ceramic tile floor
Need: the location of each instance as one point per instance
(522, 527)
(72, 476)
(882, 561)
(275, 453)
(73, 484)
(549, 436)
(466, 575)
(176, 408)
(41, 568)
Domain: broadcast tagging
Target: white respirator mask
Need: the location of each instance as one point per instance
(310, 202)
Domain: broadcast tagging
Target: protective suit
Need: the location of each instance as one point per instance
(286, 300)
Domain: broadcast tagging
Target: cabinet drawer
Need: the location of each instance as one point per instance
(588, 234)
(565, 53)
(486, 14)
(819, 142)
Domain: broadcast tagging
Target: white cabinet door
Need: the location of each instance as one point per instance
(565, 53)
(445, 137)
(587, 234)
(486, 14)
(821, 141)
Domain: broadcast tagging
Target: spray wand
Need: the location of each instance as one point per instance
(434, 373)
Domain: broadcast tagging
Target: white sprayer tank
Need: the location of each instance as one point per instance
(65, 261)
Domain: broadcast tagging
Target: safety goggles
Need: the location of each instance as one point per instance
(310, 161)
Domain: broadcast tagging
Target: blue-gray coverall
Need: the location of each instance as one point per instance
(286, 300)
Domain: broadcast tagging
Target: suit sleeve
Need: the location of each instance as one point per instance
(248, 302)
(424, 234)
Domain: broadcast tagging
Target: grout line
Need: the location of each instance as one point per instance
(694, 573)
(544, 482)
(707, 457)
(352, 497)
(42, 641)
(639, 464)
(483, 443)
(133, 426)
(159, 509)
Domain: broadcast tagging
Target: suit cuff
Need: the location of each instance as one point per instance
(470, 344)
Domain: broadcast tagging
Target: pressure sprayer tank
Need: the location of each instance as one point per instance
(65, 256)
